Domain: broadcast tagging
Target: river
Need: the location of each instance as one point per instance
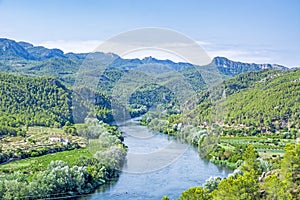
(157, 165)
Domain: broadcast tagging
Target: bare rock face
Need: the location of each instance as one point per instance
(229, 67)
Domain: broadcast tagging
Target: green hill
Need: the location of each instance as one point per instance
(250, 103)
(116, 75)
(268, 101)
(273, 103)
(25, 58)
(45, 101)
(28, 100)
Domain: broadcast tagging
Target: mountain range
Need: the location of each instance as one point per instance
(26, 58)
(127, 84)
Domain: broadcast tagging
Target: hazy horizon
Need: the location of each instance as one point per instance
(248, 31)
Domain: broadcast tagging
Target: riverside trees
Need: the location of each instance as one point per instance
(278, 185)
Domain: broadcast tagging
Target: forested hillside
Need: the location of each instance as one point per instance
(183, 79)
(28, 100)
(40, 144)
(221, 108)
(25, 58)
(267, 101)
(248, 104)
(247, 183)
(255, 114)
(45, 101)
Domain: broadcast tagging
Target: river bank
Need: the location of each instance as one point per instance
(176, 168)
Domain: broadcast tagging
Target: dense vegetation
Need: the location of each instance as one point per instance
(261, 113)
(246, 123)
(255, 102)
(40, 163)
(24, 58)
(62, 174)
(266, 101)
(248, 183)
(33, 101)
(271, 105)
(252, 100)
(36, 141)
(89, 103)
(44, 101)
(34, 109)
(149, 96)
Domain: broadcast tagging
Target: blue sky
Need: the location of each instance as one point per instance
(264, 31)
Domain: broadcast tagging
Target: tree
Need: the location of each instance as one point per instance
(249, 157)
(242, 187)
(212, 183)
(15, 189)
(165, 198)
(195, 193)
(290, 167)
(276, 189)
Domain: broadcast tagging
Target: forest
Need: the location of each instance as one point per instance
(248, 122)
(71, 173)
(249, 182)
(35, 109)
(33, 101)
(248, 104)
(259, 119)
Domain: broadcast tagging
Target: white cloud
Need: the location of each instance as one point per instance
(254, 55)
(241, 55)
(72, 45)
(204, 43)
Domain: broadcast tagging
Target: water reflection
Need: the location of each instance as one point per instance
(185, 171)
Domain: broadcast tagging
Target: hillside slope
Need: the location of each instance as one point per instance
(267, 100)
(252, 103)
(45, 101)
(116, 75)
(27, 100)
(23, 57)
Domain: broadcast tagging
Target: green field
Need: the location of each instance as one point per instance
(267, 148)
(40, 163)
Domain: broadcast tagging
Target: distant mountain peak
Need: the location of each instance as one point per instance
(229, 67)
(151, 59)
(25, 45)
(12, 50)
(148, 58)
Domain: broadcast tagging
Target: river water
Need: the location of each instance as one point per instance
(156, 166)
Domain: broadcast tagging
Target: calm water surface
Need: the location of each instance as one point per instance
(156, 166)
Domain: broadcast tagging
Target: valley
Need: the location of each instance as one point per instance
(63, 132)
